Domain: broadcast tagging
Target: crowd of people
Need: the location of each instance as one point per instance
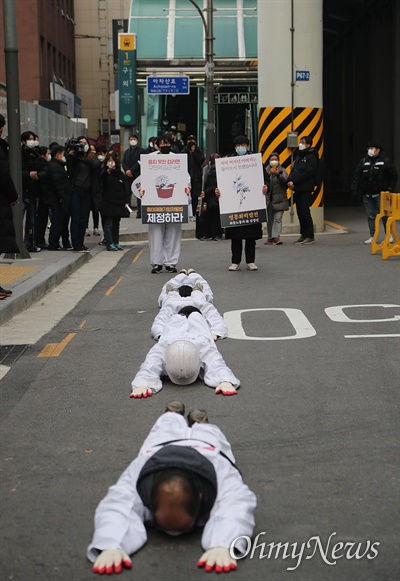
(64, 183)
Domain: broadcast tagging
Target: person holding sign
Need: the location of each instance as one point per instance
(249, 226)
(164, 231)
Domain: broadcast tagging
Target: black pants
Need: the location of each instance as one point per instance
(303, 203)
(57, 222)
(249, 250)
(42, 220)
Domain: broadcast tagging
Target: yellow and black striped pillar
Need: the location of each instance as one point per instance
(290, 68)
(273, 127)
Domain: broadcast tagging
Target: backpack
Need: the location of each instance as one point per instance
(320, 173)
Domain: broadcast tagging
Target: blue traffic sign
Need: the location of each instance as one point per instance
(161, 85)
(302, 75)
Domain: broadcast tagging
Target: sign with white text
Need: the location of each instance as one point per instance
(164, 179)
(160, 85)
(127, 78)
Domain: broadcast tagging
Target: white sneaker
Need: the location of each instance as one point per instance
(96, 232)
(234, 267)
(87, 233)
(251, 266)
(369, 241)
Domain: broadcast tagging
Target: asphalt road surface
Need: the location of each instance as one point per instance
(314, 427)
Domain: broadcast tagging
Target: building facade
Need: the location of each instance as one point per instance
(95, 70)
(46, 46)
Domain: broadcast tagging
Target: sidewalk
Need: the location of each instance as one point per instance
(32, 278)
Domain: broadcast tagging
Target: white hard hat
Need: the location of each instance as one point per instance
(182, 362)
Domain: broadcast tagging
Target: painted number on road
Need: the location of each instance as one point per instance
(302, 326)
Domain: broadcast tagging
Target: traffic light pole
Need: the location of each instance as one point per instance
(13, 115)
(211, 142)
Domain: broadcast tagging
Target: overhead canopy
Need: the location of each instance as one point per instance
(173, 29)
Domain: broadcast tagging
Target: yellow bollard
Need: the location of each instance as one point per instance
(390, 208)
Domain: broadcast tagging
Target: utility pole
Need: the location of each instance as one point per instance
(211, 142)
(13, 114)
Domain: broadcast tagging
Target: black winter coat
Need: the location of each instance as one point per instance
(131, 160)
(114, 194)
(61, 184)
(31, 161)
(8, 195)
(210, 183)
(374, 175)
(303, 170)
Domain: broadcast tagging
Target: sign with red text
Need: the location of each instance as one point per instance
(240, 180)
(164, 179)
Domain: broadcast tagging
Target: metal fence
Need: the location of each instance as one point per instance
(47, 124)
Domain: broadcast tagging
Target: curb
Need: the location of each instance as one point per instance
(33, 289)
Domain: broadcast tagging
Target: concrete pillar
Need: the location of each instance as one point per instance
(290, 41)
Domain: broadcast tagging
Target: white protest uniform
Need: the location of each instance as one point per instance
(120, 516)
(173, 303)
(164, 239)
(194, 328)
(189, 279)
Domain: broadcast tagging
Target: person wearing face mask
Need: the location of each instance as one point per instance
(59, 199)
(195, 169)
(301, 182)
(151, 145)
(131, 165)
(164, 239)
(101, 152)
(276, 199)
(44, 187)
(212, 218)
(31, 162)
(184, 479)
(114, 200)
(94, 206)
(82, 170)
(248, 233)
(374, 174)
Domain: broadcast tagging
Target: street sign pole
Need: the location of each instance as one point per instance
(211, 142)
(127, 79)
(13, 115)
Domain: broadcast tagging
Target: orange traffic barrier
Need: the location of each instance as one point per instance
(390, 209)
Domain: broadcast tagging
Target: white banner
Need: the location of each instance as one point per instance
(240, 180)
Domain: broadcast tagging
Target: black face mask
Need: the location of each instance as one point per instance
(165, 149)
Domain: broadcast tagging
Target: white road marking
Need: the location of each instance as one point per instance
(3, 370)
(368, 336)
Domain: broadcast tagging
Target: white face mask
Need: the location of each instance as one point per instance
(151, 144)
(273, 163)
(241, 150)
(31, 143)
(371, 151)
(302, 146)
(63, 159)
(101, 157)
(48, 157)
(133, 142)
(86, 148)
(111, 164)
